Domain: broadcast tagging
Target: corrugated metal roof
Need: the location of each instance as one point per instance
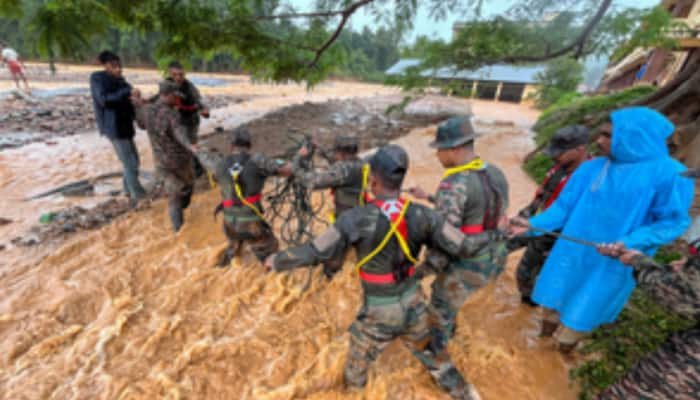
(498, 72)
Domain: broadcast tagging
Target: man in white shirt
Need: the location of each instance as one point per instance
(9, 56)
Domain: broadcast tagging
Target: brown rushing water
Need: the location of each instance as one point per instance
(132, 311)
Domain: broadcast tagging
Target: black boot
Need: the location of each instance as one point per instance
(175, 211)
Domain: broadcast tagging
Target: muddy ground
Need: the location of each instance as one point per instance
(129, 310)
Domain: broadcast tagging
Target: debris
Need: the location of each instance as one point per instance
(5, 221)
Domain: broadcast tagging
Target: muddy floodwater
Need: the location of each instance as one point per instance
(133, 311)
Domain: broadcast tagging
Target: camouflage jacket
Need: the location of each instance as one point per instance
(256, 168)
(677, 291)
(460, 198)
(169, 138)
(365, 227)
(191, 104)
(343, 177)
(547, 192)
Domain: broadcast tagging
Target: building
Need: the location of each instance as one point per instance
(494, 82)
(658, 66)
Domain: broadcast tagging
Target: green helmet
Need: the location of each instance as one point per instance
(454, 132)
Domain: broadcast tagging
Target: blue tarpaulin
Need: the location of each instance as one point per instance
(636, 197)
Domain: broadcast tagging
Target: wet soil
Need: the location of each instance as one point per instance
(132, 311)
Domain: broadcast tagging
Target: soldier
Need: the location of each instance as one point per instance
(171, 148)
(568, 149)
(347, 180)
(386, 234)
(190, 105)
(673, 370)
(473, 197)
(241, 176)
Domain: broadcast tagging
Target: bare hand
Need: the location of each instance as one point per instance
(418, 193)
(136, 98)
(204, 113)
(303, 151)
(678, 264)
(194, 148)
(269, 263)
(518, 226)
(612, 249)
(628, 257)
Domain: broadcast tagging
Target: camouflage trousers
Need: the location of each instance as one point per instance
(671, 372)
(384, 319)
(531, 264)
(193, 135)
(256, 233)
(178, 185)
(453, 286)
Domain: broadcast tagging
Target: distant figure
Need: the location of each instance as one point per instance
(11, 58)
(633, 197)
(114, 114)
(190, 106)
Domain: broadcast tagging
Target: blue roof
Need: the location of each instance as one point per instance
(497, 72)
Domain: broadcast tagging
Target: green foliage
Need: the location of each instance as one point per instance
(538, 166)
(561, 77)
(652, 30)
(588, 110)
(613, 349)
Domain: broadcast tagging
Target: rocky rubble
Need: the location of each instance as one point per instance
(27, 120)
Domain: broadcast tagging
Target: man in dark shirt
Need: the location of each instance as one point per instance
(114, 114)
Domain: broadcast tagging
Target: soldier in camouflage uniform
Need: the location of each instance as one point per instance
(386, 234)
(673, 370)
(241, 176)
(568, 149)
(346, 180)
(473, 197)
(172, 148)
(190, 106)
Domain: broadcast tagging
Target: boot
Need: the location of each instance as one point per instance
(229, 254)
(548, 328)
(175, 211)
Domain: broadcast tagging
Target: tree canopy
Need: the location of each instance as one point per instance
(273, 40)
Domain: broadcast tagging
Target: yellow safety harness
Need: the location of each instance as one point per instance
(474, 165)
(392, 232)
(363, 191)
(239, 194)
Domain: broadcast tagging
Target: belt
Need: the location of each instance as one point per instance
(236, 203)
(472, 229)
(382, 279)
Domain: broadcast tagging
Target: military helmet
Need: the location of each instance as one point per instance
(241, 137)
(346, 143)
(567, 138)
(454, 132)
(390, 163)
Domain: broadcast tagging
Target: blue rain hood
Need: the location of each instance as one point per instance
(636, 197)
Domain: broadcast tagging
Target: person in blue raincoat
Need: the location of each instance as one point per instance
(634, 197)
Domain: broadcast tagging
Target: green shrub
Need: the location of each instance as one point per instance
(612, 349)
(538, 166)
(571, 110)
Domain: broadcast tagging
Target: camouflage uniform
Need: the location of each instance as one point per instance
(467, 200)
(241, 223)
(673, 370)
(565, 139)
(345, 179)
(170, 144)
(537, 247)
(393, 304)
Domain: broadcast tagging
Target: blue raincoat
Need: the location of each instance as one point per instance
(636, 197)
